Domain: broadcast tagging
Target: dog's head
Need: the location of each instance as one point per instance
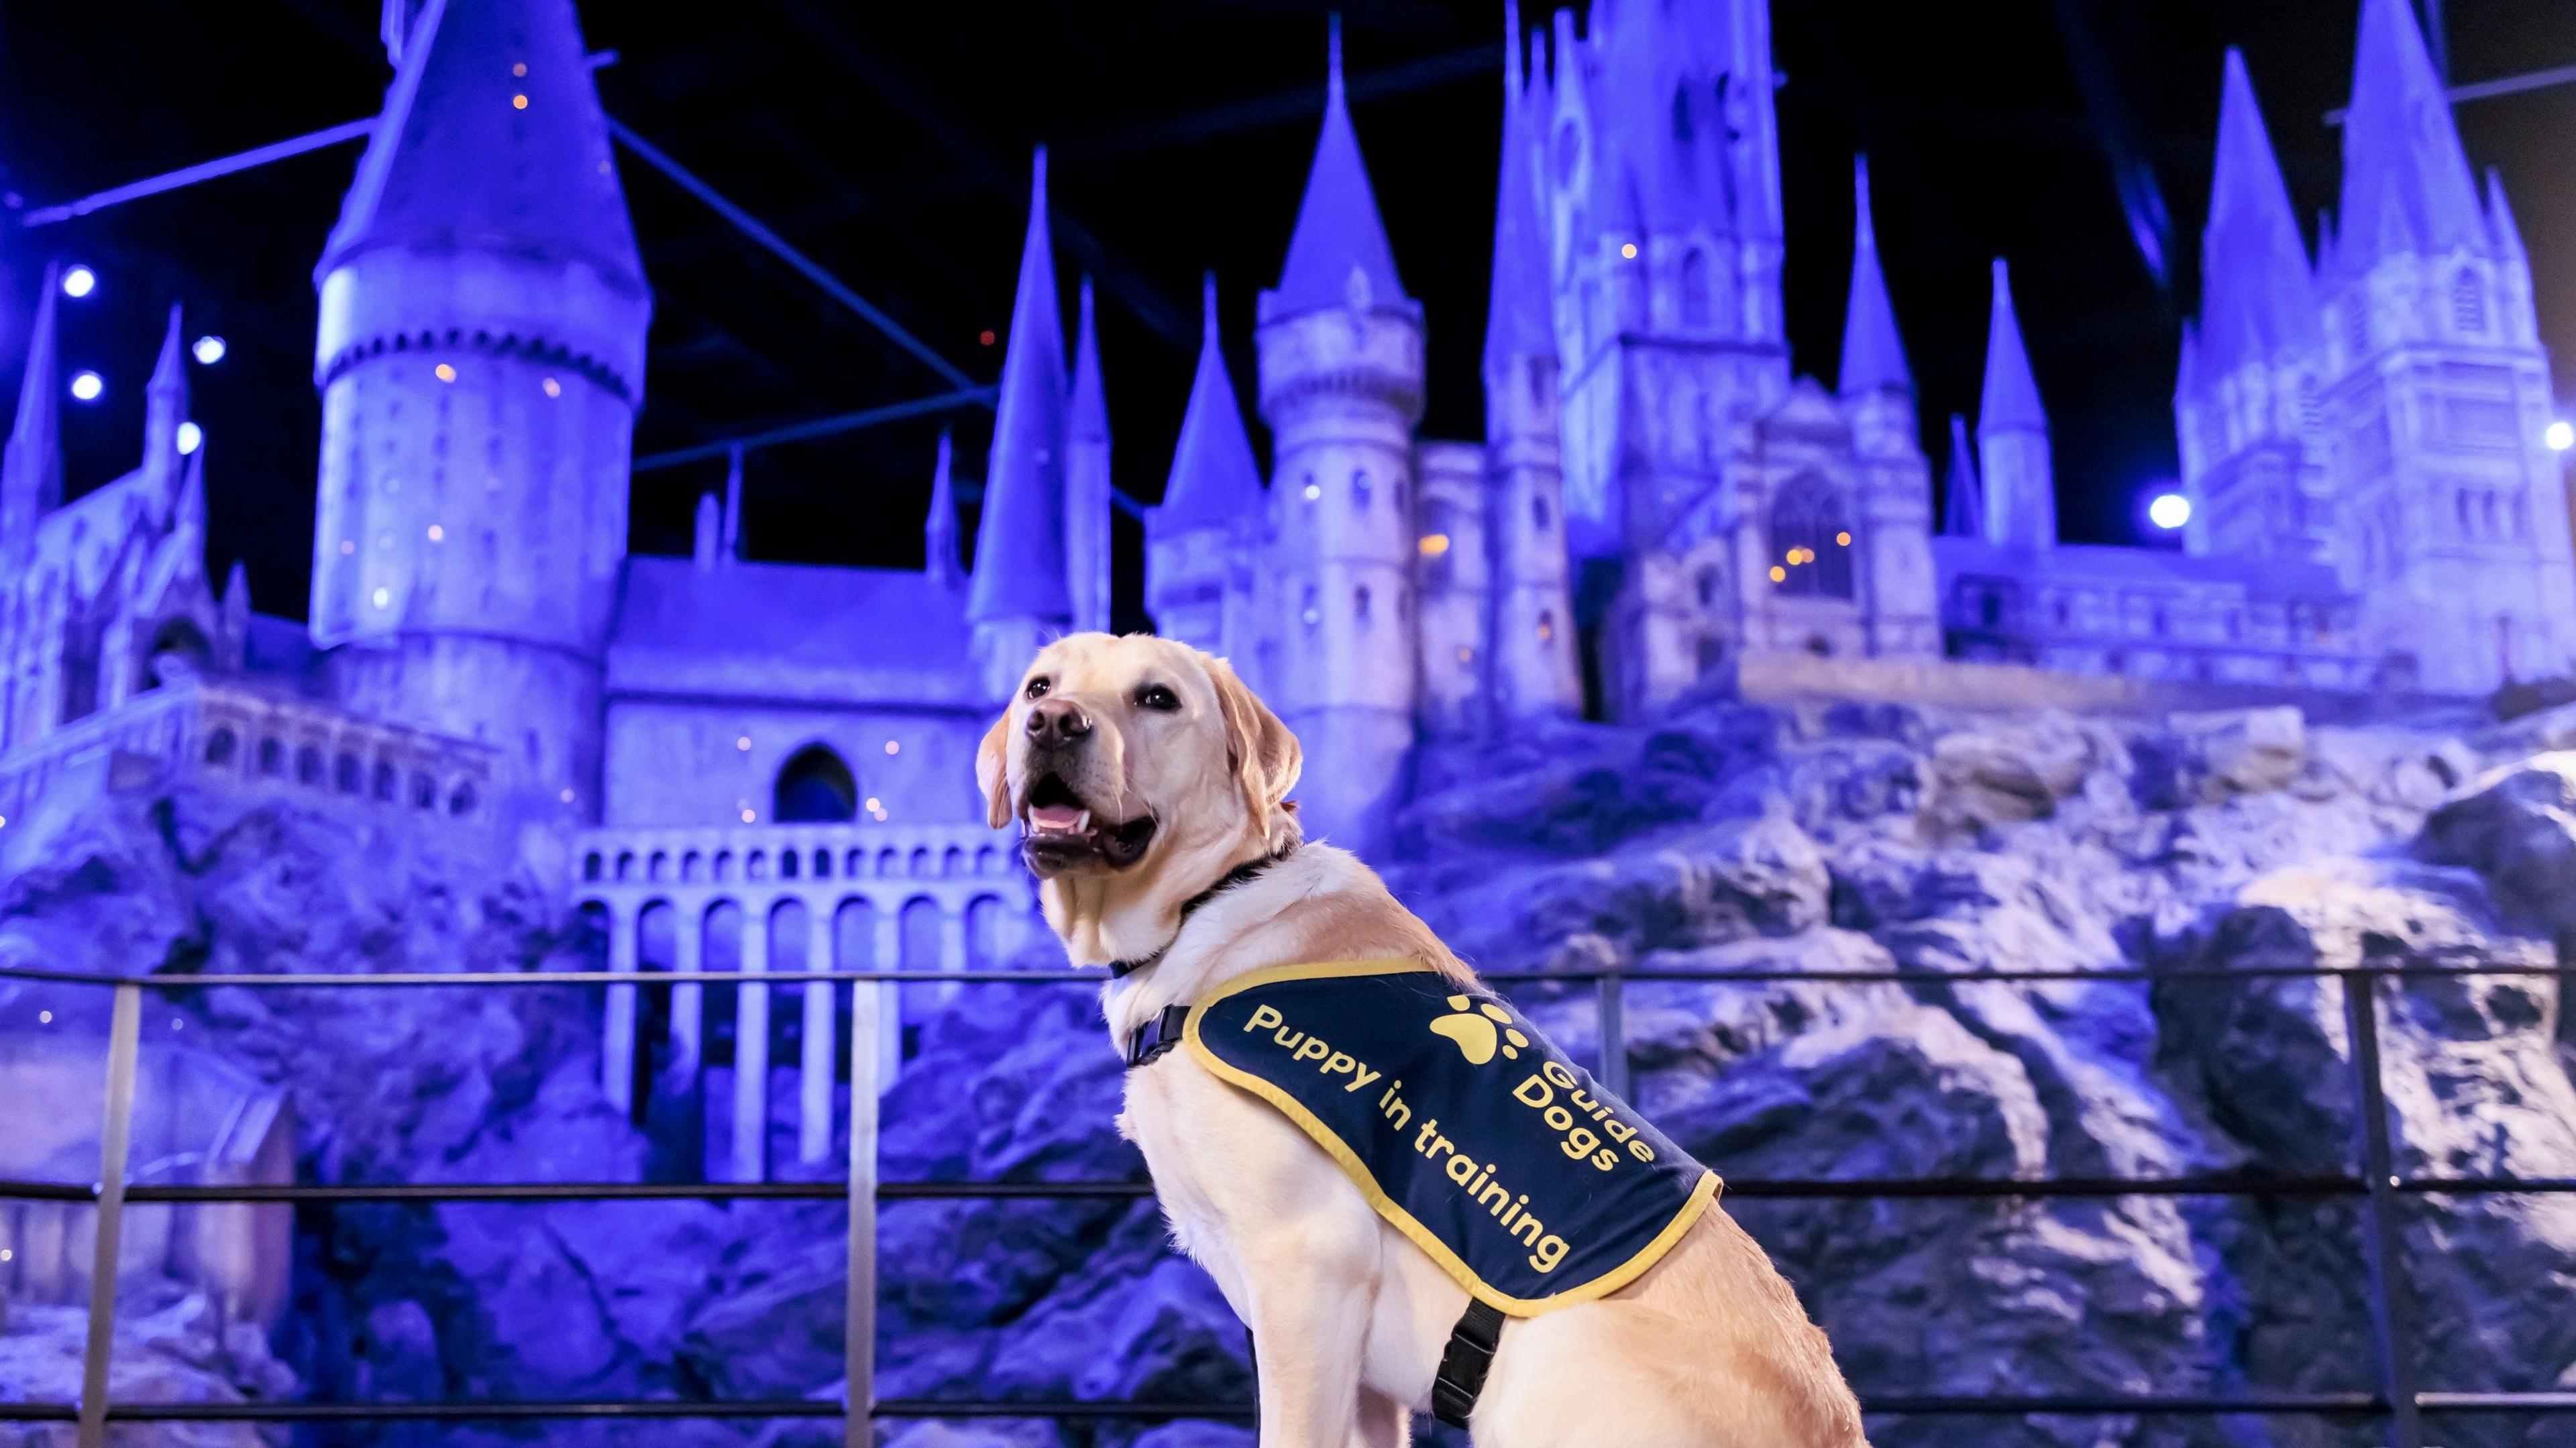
(1139, 770)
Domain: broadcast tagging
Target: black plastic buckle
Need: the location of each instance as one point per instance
(1156, 1036)
(1463, 1365)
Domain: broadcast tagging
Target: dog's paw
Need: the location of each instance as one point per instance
(1474, 1031)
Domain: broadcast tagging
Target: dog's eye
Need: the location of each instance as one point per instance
(1158, 698)
(1037, 688)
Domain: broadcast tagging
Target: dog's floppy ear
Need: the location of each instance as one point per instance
(1260, 750)
(993, 771)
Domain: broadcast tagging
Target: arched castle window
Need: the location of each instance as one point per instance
(1360, 491)
(1547, 625)
(1694, 288)
(2356, 326)
(1707, 582)
(2468, 304)
(1439, 541)
(1310, 609)
(388, 782)
(815, 787)
(2460, 506)
(2487, 516)
(1810, 541)
(219, 749)
(308, 765)
(1360, 603)
(1681, 115)
(1539, 513)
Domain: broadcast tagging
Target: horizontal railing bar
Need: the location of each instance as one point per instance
(1918, 1404)
(1783, 1188)
(1066, 977)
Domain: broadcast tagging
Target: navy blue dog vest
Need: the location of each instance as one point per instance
(1464, 1127)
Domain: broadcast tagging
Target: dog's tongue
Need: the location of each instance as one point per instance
(1055, 816)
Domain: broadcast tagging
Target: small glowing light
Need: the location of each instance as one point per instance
(445, 372)
(1313, 616)
(2561, 436)
(566, 795)
(985, 337)
(382, 596)
(437, 534)
(1779, 574)
(6, 1254)
(1466, 655)
(552, 387)
(44, 1018)
(348, 546)
(519, 102)
(2169, 511)
(79, 282)
(191, 437)
(749, 815)
(1546, 631)
(894, 746)
(1842, 540)
(209, 350)
(874, 804)
(1629, 250)
(86, 386)
(1314, 491)
(603, 166)
(519, 69)
(1434, 544)
(176, 1023)
(743, 743)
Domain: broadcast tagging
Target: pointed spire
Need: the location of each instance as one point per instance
(1963, 510)
(31, 472)
(2011, 398)
(165, 397)
(1019, 541)
(939, 526)
(492, 137)
(706, 536)
(2401, 152)
(188, 512)
(236, 600)
(2500, 222)
(729, 543)
(2257, 299)
(1516, 313)
(1087, 414)
(1338, 256)
(1214, 483)
(1873, 353)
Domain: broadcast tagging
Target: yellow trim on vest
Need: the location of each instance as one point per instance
(1385, 1206)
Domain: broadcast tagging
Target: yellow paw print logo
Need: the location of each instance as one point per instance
(1474, 1031)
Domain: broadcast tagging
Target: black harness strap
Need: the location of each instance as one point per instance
(1463, 1366)
(1121, 969)
(1156, 1036)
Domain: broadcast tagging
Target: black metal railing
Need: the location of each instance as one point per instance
(2378, 1187)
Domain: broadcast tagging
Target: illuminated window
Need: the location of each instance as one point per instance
(1806, 518)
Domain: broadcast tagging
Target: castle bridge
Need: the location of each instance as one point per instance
(756, 898)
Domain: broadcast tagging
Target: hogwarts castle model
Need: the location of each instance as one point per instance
(1657, 500)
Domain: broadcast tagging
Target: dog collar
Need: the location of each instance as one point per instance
(1249, 869)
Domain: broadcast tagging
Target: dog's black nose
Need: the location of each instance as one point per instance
(1057, 721)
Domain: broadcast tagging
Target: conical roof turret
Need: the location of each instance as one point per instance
(1339, 255)
(1873, 353)
(1215, 482)
(2011, 398)
(1087, 412)
(2500, 222)
(2257, 299)
(492, 138)
(939, 525)
(1963, 507)
(31, 471)
(1516, 315)
(2406, 182)
(1019, 542)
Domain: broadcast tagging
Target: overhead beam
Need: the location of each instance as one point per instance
(819, 427)
(2488, 89)
(202, 171)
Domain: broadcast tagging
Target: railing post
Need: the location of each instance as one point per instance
(889, 957)
(1614, 1034)
(751, 1048)
(617, 1034)
(125, 1027)
(689, 998)
(859, 1303)
(2391, 1312)
(814, 1072)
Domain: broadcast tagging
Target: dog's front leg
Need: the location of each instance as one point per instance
(1308, 1285)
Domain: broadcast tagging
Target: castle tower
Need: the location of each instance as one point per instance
(2449, 506)
(481, 357)
(31, 471)
(939, 525)
(1087, 481)
(1018, 599)
(2245, 405)
(165, 406)
(1341, 387)
(1530, 669)
(2019, 484)
(1894, 540)
(1963, 506)
(1210, 516)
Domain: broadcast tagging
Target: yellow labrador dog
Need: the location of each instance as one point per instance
(1143, 773)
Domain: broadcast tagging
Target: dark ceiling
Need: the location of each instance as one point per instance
(892, 143)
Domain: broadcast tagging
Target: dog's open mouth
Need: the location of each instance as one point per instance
(1059, 832)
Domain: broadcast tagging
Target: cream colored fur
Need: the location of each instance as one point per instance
(1708, 1349)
